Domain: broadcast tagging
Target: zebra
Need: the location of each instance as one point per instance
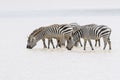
(76, 27)
(88, 32)
(57, 31)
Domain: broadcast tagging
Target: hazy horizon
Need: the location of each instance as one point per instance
(59, 13)
(58, 4)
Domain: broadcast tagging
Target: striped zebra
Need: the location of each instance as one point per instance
(76, 27)
(57, 31)
(91, 31)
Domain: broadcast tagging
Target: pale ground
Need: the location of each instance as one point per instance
(19, 63)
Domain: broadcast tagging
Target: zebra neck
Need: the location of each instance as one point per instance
(40, 35)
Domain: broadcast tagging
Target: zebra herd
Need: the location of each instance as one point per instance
(70, 33)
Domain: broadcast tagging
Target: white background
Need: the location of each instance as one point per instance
(57, 4)
(19, 63)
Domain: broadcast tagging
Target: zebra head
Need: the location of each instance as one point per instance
(70, 43)
(31, 42)
(34, 37)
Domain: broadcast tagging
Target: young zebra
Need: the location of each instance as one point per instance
(94, 32)
(56, 31)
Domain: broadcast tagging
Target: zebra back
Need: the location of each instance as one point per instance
(58, 29)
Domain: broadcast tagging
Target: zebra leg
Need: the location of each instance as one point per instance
(99, 42)
(105, 43)
(48, 43)
(58, 44)
(95, 43)
(44, 43)
(80, 43)
(85, 41)
(52, 43)
(90, 44)
(109, 42)
(63, 42)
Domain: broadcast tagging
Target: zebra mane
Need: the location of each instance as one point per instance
(90, 25)
(35, 32)
(57, 25)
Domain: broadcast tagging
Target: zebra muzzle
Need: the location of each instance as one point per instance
(29, 47)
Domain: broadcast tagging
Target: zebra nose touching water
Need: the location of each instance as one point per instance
(89, 32)
(72, 33)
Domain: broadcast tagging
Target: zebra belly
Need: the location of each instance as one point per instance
(56, 36)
